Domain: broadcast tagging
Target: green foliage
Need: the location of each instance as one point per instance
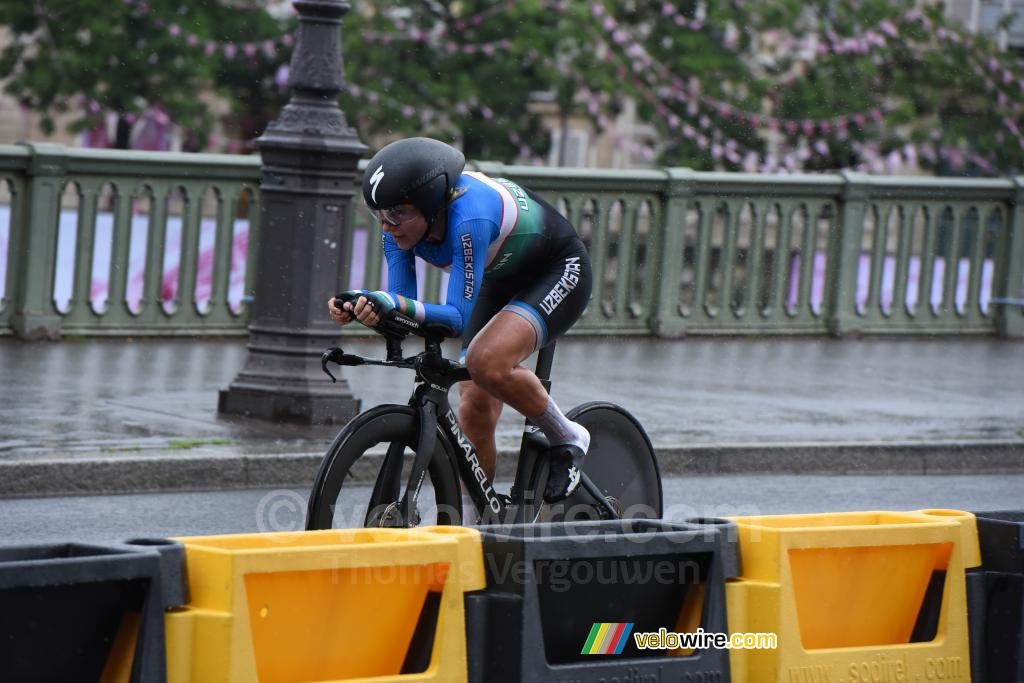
(691, 69)
(927, 73)
(123, 56)
(466, 82)
(248, 83)
(825, 84)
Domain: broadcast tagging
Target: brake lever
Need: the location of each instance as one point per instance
(327, 357)
(336, 355)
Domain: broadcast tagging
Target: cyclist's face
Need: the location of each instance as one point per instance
(405, 224)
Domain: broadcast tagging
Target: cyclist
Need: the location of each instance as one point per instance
(519, 277)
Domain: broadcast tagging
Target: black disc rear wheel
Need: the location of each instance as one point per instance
(620, 461)
(359, 483)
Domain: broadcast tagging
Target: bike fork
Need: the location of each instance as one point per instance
(425, 445)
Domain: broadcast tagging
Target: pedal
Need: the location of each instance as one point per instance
(389, 518)
(615, 504)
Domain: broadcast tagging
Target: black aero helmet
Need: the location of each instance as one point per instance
(417, 171)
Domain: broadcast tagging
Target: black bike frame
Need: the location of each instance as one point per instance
(430, 399)
(435, 376)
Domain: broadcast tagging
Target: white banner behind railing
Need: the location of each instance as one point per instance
(171, 265)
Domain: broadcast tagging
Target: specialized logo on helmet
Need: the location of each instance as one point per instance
(375, 181)
(574, 479)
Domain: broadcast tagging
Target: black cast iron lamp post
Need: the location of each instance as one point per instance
(308, 181)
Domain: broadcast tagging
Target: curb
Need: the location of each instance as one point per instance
(901, 458)
(197, 472)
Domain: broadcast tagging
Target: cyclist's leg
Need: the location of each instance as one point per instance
(559, 300)
(494, 358)
(479, 409)
(540, 311)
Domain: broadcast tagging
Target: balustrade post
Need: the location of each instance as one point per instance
(1010, 286)
(34, 244)
(308, 183)
(844, 247)
(679, 191)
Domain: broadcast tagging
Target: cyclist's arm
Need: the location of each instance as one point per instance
(401, 286)
(401, 269)
(468, 261)
(472, 238)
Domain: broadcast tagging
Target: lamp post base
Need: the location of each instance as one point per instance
(282, 381)
(278, 405)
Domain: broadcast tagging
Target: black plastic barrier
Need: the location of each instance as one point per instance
(567, 601)
(995, 599)
(77, 612)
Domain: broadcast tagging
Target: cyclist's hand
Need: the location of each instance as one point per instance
(343, 314)
(372, 307)
(338, 315)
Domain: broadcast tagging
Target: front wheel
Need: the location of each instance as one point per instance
(359, 484)
(620, 461)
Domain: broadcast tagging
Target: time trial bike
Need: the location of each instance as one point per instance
(424, 447)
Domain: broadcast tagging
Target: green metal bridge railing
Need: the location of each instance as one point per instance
(139, 195)
(674, 252)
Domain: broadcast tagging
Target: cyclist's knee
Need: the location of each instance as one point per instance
(477, 406)
(475, 361)
(477, 414)
(488, 369)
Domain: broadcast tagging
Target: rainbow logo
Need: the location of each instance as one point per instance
(607, 639)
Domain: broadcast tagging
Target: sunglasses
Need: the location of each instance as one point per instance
(395, 216)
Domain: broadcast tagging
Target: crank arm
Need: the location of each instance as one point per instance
(607, 510)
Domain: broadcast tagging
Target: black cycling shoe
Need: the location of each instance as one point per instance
(564, 472)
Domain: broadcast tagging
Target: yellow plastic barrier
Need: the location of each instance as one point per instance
(861, 597)
(337, 605)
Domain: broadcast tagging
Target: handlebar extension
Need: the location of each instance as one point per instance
(396, 326)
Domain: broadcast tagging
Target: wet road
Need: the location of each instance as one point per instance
(111, 519)
(107, 398)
